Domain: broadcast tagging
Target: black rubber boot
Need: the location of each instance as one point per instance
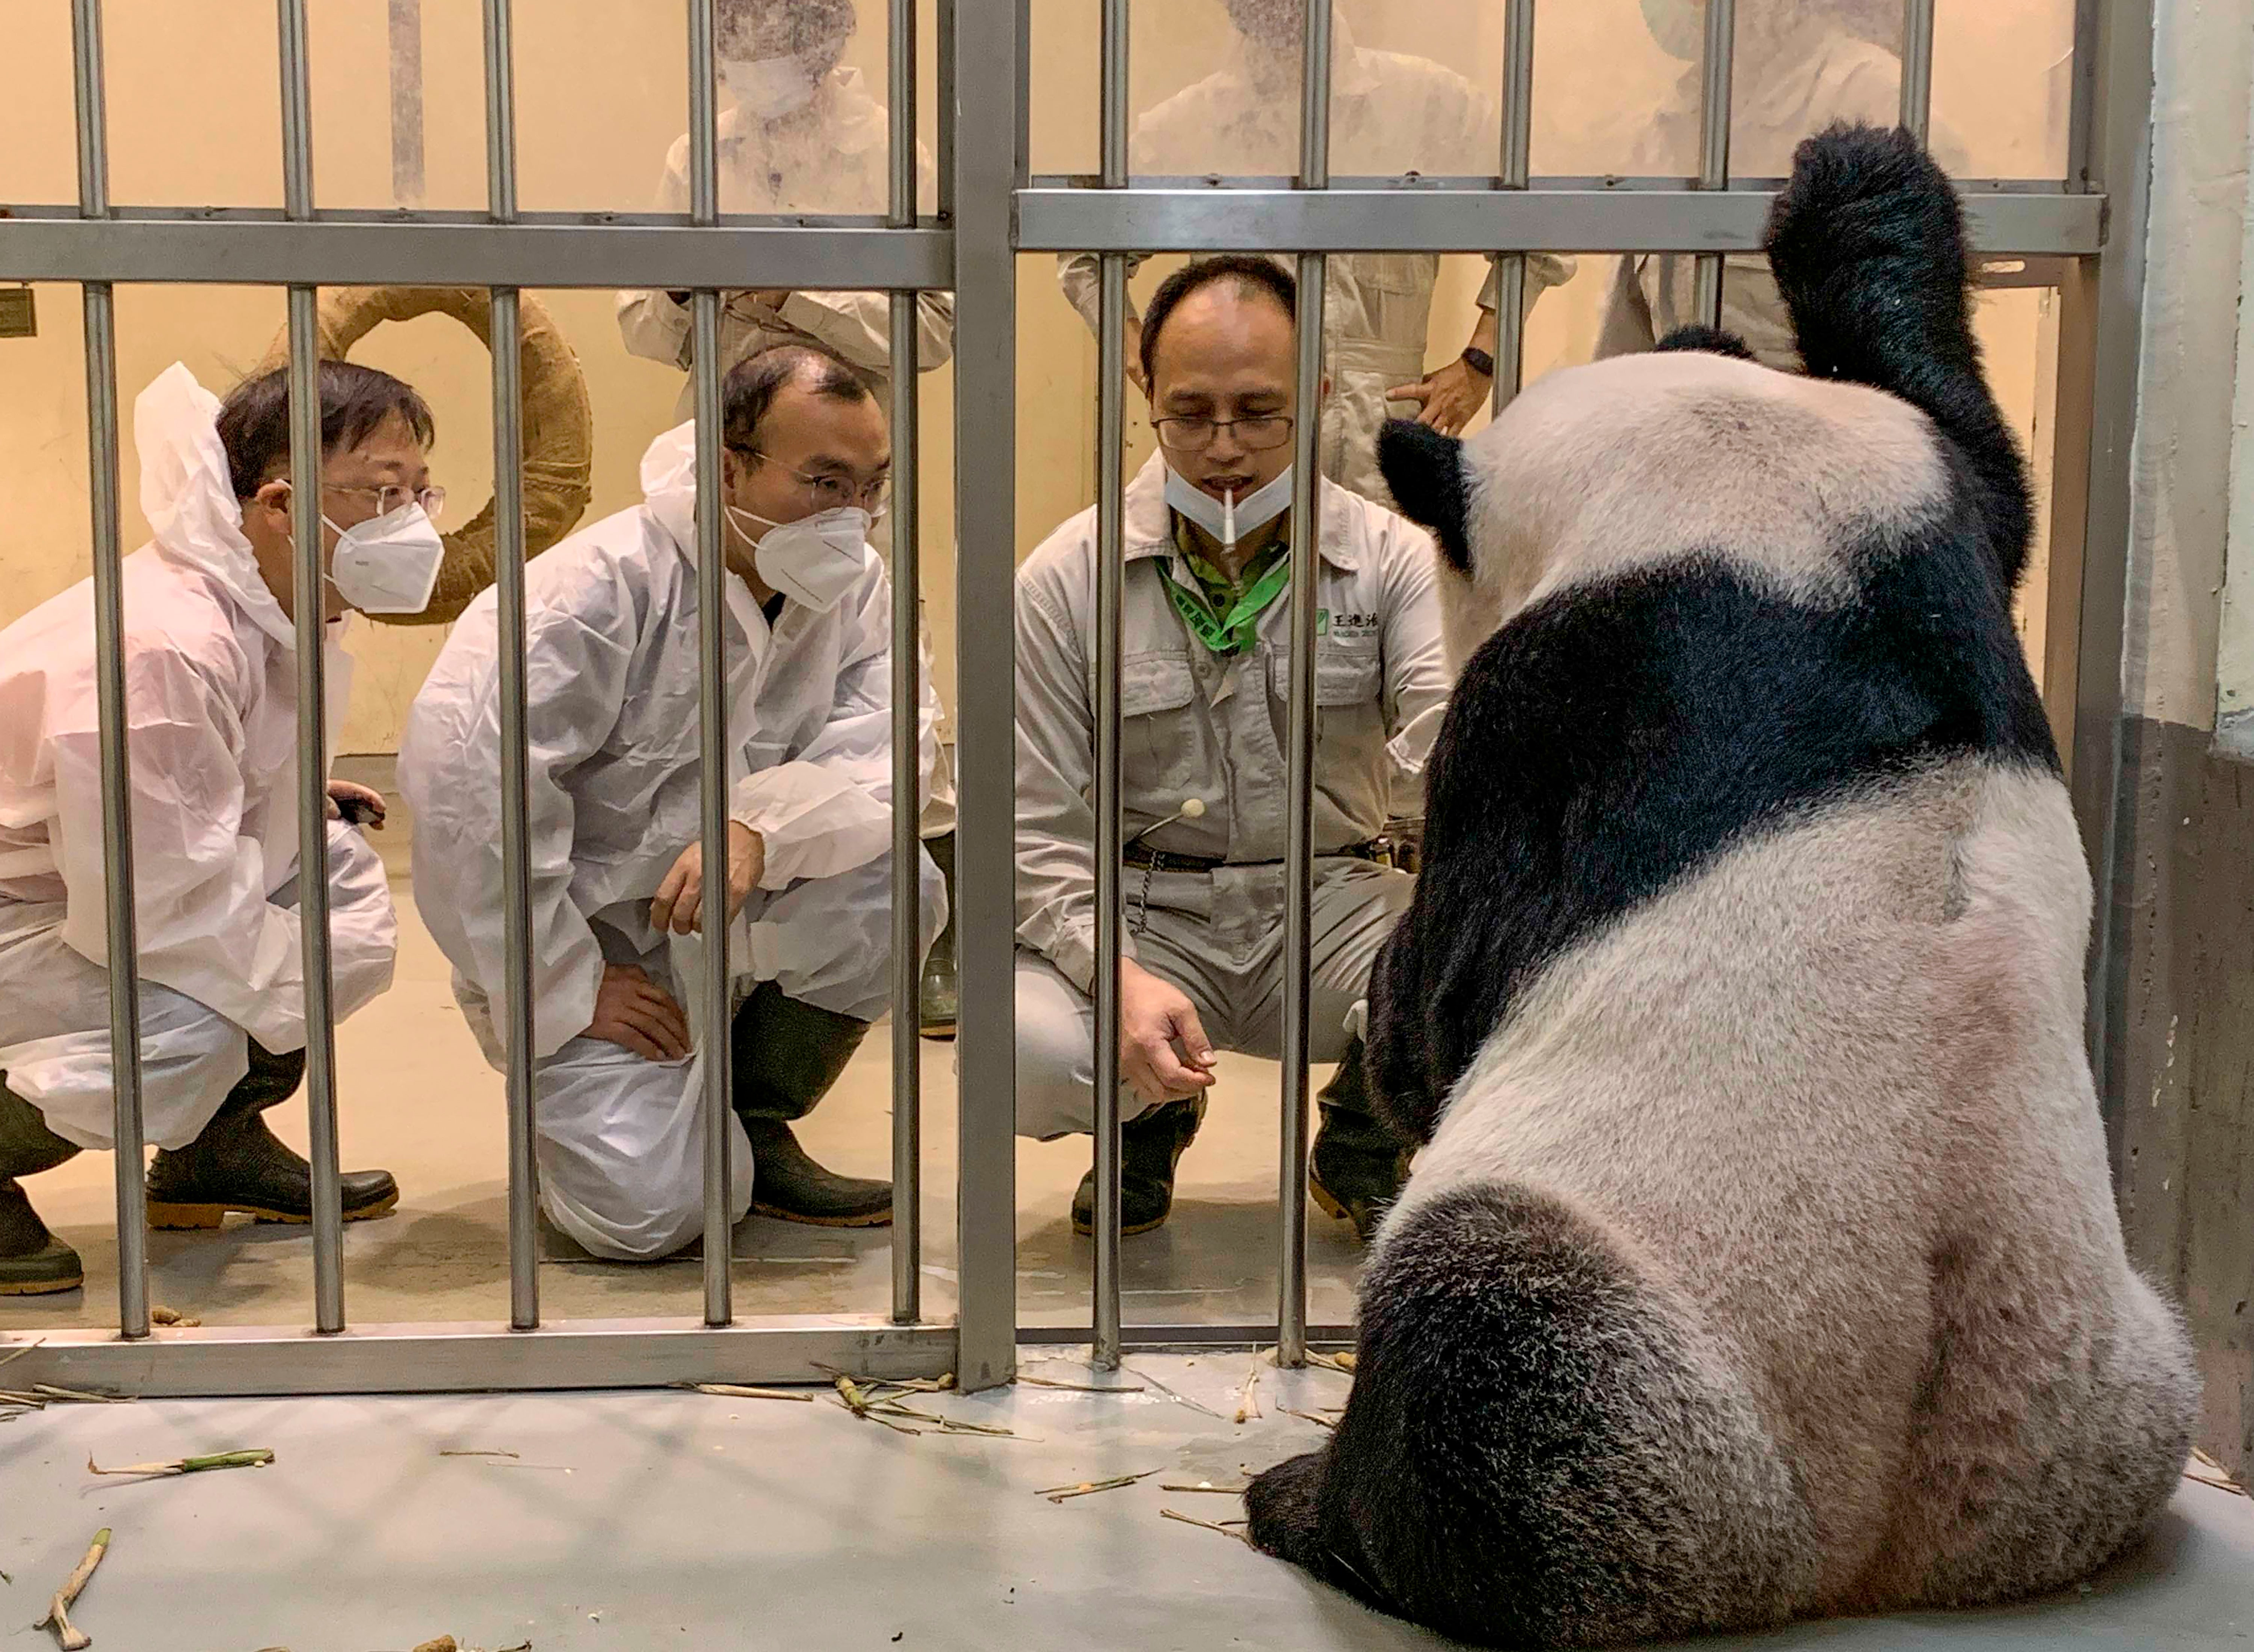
(1358, 1165)
(237, 1163)
(33, 1263)
(940, 989)
(1149, 1148)
(786, 1056)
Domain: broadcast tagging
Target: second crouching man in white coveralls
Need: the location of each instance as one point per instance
(1205, 676)
(611, 660)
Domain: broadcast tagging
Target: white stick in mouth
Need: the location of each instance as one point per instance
(1229, 518)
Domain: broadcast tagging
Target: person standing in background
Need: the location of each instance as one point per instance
(1391, 113)
(804, 136)
(1799, 65)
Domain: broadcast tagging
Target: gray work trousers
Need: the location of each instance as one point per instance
(1218, 936)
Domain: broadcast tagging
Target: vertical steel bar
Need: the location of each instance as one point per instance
(1300, 758)
(1517, 170)
(988, 121)
(1110, 569)
(907, 708)
(1917, 67)
(1714, 139)
(309, 612)
(518, 1036)
(124, 947)
(2102, 324)
(410, 175)
(712, 674)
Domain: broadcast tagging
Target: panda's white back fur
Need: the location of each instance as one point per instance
(1762, 1260)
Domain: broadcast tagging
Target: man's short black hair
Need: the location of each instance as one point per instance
(753, 384)
(356, 401)
(1244, 270)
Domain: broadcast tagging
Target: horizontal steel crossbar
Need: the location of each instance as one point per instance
(224, 1361)
(1528, 220)
(375, 253)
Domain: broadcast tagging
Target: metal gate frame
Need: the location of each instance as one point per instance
(990, 210)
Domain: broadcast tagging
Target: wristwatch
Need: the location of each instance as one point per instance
(1479, 362)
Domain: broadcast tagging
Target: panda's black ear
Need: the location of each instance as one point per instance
(1426, 472)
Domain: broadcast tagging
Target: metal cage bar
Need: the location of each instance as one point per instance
(1299, 751)
(518, 1035)
(988, 119)
(1719, 64)
(1917, 67)
(713, 1050)
(908, 705)
(309, 607)
(1518, 170)
(122, 951)
(1110, 581)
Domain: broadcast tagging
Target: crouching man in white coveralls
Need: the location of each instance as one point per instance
(612, 628)
(1206, 669)
(211, 692)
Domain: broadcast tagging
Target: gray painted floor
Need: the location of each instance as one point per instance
(665, 1520)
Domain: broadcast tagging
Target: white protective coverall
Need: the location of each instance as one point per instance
(211, 714)
(1391, 113)
(611, 661)
(1196, 725)
(830, 158)
(1822, 74)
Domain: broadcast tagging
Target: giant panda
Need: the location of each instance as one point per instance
(1760, 1260)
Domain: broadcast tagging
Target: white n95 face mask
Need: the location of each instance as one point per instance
(812, 561)
(389, 564)
(769, 89)
(1229, 520)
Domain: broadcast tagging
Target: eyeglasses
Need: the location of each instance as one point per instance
(388, 499)
(837, 493)
(1263, 433)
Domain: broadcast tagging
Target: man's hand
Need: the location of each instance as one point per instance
(634, 1013)
(680, 903)
(1449, 397)
(1135, 354)
(358, 804)
(1162, 1050)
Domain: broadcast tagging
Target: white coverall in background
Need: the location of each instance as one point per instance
(1197, 726)
(1822, 74)
(212, 715)
(612, 666)
(1390, 115)
(831, 158)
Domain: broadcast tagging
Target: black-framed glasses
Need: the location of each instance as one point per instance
(835, 492)
(1262, 433)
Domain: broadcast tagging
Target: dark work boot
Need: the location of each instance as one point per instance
(786, 1056)
(238, 1163)
(939, 978)
(1358, 1165)
(33, 1261)
(1150, 1147)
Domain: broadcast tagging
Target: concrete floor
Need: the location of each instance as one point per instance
(415, 1097)
(655, 1520)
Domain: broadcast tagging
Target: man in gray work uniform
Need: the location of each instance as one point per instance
(1206, 673)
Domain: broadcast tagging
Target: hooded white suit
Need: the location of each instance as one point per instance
(611, 649)
(212, 712)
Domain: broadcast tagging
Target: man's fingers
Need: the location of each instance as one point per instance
(662, 905)
(1191, 1031)
(1420, 391)
(627, 1037)
(645, 1020)
(663, 1013)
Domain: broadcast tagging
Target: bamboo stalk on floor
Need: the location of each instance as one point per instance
(1206, 1525)
(71, 1638)
(1089, 1488)
(731, 1391)
(258, 1457)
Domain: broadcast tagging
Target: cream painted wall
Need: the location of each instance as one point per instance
(195, 120)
